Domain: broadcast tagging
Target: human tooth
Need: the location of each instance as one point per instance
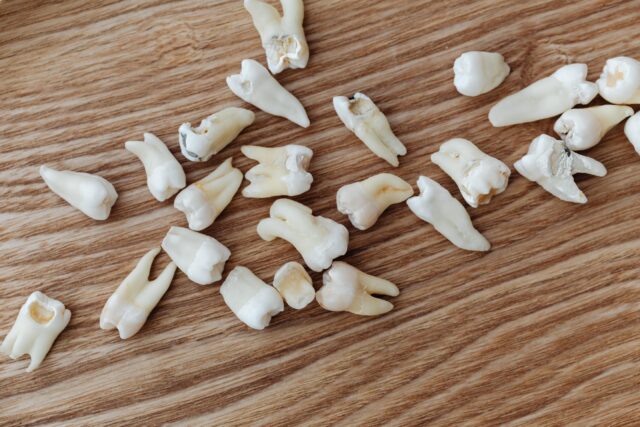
(204, 200)
(585, 127)
(282, 36)
(295, 285)
(214, 133)
(318, 239)
(39, 322)
(364, 201)
(345, 288)
(619, 82)
(251, 300)
(256, 86)
(478, 175)
(479, 72)
(90, 194)
(361, 116)
(438, 207)
(545, 98)
(632, 131)
(282, 171)
(552, 165)
(200, 257)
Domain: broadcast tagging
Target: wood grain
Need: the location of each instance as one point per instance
(543, 330)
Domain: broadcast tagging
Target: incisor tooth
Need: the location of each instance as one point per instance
(479, 72)
(632, 131)
(295, 285)
(619, 82)
(585, 127)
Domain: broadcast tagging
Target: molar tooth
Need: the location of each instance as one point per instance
(295, 285)
(479, 72)
(585, 127)
(619, 82)
(632, 131)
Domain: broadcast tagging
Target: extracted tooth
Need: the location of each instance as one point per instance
(251, 300)
(318, 239)
(545, 98)
(439, 208)
(362, 117)
(478, 175)
(204, 200)
(214, 133)
(585, 127)
(619, 82)
(90, 194)
(282, 36)
(39, 322)
(295, 285)
(200, 257)
(282, 171)
(345, 288)
(632, 131)
(479, 72)
(256, 86)
(552, 165)
(364, 201)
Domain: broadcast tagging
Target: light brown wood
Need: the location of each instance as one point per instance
(542, 330)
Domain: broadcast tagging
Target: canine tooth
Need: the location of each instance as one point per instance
(39, 322)
(479, 72)
(552, 165)
(318, 239)
(478, 175)
(585, 127)
(204, 200)
(90, 194)
(214, 133)
(282, 171)
(632, 131)
(129, 306)
(365, 201)
(251, 300)
(200, 257)
(619, 82)
(256, 86)
(295, 285)
(362, 117)
(439, 208)
(551, 96)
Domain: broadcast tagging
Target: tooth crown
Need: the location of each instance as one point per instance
(619, 82)
(584, 128)
(479, 72)
(632, 131)
(294, 284)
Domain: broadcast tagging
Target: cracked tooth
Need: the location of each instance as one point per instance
(295, 285)
(632, 131)
(619, 82)
(585, 127)
(479, 72)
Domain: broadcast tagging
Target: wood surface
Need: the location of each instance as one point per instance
(542, 330)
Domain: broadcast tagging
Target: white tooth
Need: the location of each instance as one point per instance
(282, 171)
(295, 285)
(200, 257)
(585, 127)
(632, 130)
(129, 306)
(39, 322)
(345, 288)
(552, 165)
(439, 208)
(619, 82)
(90, 194)
(251, 300)
(204, 200)
(479, 72)
(478, 175)
(214, 133)
(318, 239)
(282, 36)
(361, 116)
(364, 201)
(545, 98)
(256, 86)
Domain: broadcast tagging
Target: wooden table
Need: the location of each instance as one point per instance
(542, 330)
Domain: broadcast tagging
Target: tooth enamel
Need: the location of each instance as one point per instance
(478, 176)
(318, 239)
(200, 257)
(295, 285)
(361, 116)
(545, 98)
(129, 306)
(251, 300)
(282, 171)
(365, 201)
(619, 82)
(345, 288)
(256, 86)
(282, 36)
(90, 194)
(552, 165)
(39, 322)
(439, 208)
(585, 127)
(214, 133)
(632, 131)
(204, 200)
(479, 72)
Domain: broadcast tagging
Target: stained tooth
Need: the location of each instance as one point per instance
(545, 98)
(256, 86)
(295, 285)
(479, 72)
(632, 131)
(361, 116)
(585, 127)
(90, 194)
(619, 82)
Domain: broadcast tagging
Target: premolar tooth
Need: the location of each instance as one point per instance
(632, 131)
(585, 127)
(479, 72)
(619, 82)
(295, 285)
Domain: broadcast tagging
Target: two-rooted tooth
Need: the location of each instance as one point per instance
(282, 171)
(361, 116)
(295, 285)
(619, 82)
(632, 131)
(584, 128)
(39, 322)
(479, 72)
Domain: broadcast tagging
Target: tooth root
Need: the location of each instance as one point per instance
(619, 82)
(584, 164)
(632, 131)
(294, 284)
(479, 72)
(366, 305)
(584, 128)
(377, 285)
